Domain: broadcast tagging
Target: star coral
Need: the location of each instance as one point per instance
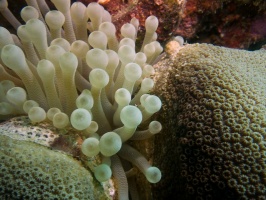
(214, 117)
(31, 171)
(94, 85)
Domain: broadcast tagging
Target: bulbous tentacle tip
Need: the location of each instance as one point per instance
(89, 84)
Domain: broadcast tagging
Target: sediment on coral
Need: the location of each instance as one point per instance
(66, 67)
(213, 114)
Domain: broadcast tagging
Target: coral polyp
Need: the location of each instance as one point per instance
(214, 109)
(67, 68)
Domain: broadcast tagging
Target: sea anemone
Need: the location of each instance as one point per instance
(68, 68)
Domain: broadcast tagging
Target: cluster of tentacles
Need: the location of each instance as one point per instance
(67, 67)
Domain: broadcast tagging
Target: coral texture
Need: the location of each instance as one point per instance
(32, 171)
(230, 23)
(214, 119)
(168, 11)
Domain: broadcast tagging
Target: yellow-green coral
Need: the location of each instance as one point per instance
(214, 117)
(32, 171)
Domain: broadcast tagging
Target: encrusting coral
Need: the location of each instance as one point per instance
(214, 118)
(91, 85)
(32, 171)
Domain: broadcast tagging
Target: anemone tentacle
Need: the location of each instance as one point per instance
(72, 72)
